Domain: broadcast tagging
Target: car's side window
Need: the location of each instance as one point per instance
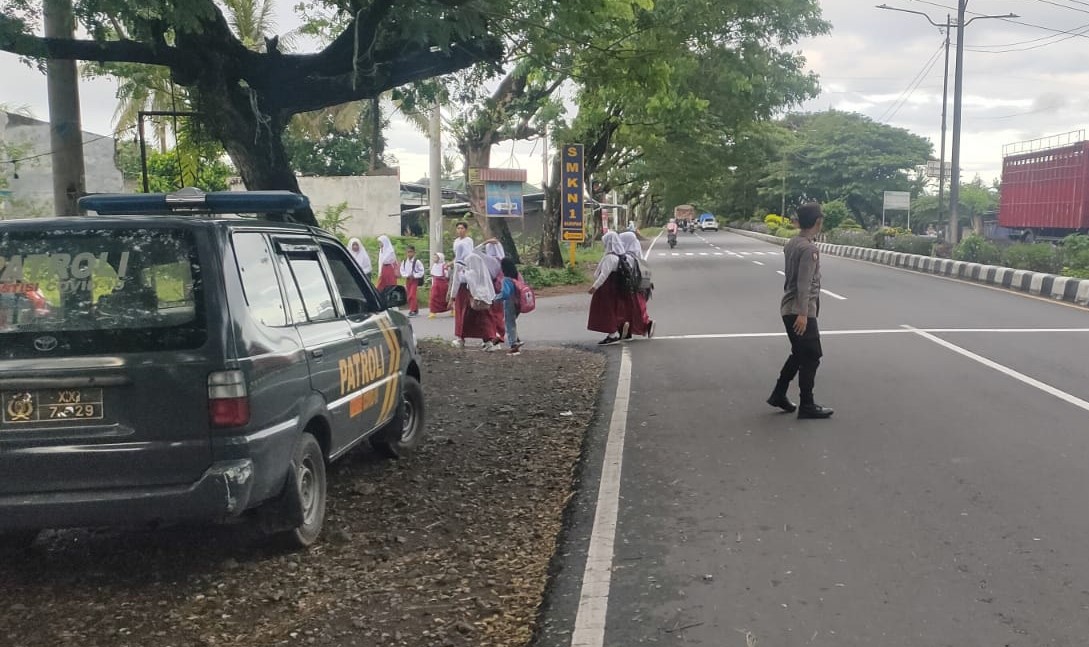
(291, 289)
(358, 298)
(316, 295)
(262, 289)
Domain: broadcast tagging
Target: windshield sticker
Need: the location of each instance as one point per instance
(65, 272)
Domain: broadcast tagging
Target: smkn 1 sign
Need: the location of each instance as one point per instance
(571, 207)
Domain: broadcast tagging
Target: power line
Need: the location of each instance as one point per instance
(1064, 6)
(18, 160)
(913, 85)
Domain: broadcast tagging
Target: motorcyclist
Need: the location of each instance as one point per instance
(671, 231)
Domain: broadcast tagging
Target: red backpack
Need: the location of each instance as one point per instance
(525, 300)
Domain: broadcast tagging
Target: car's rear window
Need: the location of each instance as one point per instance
(99, 291)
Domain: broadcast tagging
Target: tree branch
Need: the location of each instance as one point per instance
(114, 51)
(312, 93)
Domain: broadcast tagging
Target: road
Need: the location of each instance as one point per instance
(944, 504)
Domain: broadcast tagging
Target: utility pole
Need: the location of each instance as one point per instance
(958, 92)
(435, 188)
(945, 106)
(65, 130)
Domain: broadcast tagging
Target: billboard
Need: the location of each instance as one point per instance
(572, 216)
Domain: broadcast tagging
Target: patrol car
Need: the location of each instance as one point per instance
(191, 356)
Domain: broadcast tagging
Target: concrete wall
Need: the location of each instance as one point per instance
(32, 193)
(374, 201)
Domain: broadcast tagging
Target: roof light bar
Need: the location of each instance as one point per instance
(192, 200)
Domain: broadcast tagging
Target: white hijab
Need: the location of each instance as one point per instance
(478, 278)
(386, 255)
(495, 250)
(612, 243)
(631, 244)
(362, 258)
(438, 268)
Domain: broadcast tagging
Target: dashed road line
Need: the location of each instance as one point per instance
(757, 263)
(834, 295)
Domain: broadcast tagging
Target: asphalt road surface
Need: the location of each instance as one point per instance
(945, 503)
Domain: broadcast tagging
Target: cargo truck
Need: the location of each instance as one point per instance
(1045, 188)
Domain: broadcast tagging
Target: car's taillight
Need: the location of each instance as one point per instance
(228, 400)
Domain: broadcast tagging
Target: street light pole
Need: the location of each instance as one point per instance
(958, 95)
(945, 106)
(958, 91)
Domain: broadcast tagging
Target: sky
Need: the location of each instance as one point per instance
(1024, 78)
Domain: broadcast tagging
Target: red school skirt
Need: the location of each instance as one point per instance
(608, 307)
(387, 277)
(440, 285)
(469, 323)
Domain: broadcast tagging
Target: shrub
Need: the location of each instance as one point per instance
(977, 249)
(786, 231)
(1075, 254)
(773, 220)
(853, 237)
(1038, 257)
(850, 223)
(910, 244)
(544, 277)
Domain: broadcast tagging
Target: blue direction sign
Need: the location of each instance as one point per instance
(572, 222)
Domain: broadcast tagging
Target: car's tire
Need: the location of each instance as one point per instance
(403, 434)
(14, 540)
(302, 504)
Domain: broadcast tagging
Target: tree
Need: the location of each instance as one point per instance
(661, 115)
(319, 145)
(247, 96)
(166, 171)
(847, 156)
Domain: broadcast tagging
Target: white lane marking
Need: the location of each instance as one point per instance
(757, 263)
(596, 578)
(759, 253)
(660, 254)
(877, 331)
(1021, 377)
(833, 295)
(689, 254)
(705, 254)
(718, 253)
(746, 253)
(780, 272)
(647, 253)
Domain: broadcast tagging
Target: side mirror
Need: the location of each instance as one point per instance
(395, 296)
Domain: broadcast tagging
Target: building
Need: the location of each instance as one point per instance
(26, 186)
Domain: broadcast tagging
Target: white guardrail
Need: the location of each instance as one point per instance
(1062, 288)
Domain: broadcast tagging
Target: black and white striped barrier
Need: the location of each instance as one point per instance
(1063, 288)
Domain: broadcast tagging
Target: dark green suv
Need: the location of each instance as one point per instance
(190, 356)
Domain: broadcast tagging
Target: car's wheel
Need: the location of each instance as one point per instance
(11, 540)
(404, 433)
(302, 505)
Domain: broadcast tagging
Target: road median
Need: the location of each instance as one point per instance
(1060, 288)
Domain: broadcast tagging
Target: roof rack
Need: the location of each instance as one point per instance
(193, 201)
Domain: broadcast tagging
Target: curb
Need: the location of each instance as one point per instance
(1060, 288)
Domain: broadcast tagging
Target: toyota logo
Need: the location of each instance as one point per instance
(45, 344)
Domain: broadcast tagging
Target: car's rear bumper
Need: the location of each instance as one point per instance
(224, 490)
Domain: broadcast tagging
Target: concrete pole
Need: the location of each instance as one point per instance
(945, 105)
(435, 188)
(65, 130)
(958, 94)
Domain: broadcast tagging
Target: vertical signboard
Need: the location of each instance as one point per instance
(572, 223)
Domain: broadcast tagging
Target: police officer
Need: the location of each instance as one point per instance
(799, 309)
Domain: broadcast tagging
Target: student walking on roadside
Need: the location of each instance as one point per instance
(640, 322)
(508, 296)
(475, 296)
(799, 308)
(413, 271)
(387, 264)
(455, 299)
(440, 285)
(362, 258)
(608, 306)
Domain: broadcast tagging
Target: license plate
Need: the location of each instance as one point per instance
(52, 405)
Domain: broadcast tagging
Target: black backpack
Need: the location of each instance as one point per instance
(628, 276)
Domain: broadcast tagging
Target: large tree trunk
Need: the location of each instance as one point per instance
(550, 254)
(253, 140)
